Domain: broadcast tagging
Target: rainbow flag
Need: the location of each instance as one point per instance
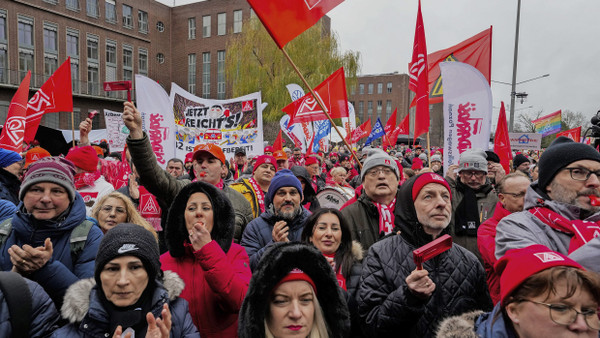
(548, 124)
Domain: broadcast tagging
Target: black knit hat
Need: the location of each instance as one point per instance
(492, 156)
(562, 152)
(519, 159)
(129, 239)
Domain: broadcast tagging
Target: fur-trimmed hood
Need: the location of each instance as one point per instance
(275, 264)
(462, 326)
(357, 251)
(77, 299)
(176, 233)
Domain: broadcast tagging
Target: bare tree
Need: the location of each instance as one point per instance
(523, 123)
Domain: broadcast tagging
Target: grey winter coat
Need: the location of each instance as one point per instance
(522, 229)
(88, 318)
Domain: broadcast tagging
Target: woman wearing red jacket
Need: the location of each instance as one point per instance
(216, 271)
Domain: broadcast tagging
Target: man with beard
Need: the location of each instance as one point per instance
(282, 221)
(396, 299)
(255, 188)
(558, 211)
(473, 198)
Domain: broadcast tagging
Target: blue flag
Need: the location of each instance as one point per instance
(322, 129)
(376, 132)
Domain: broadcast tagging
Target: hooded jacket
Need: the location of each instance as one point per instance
(387, 306)
(216, 276)
(60, 271)
(522, 229)
(278, 261)
(88, 318)
(9, 186)
(476, 324)
(310, 196)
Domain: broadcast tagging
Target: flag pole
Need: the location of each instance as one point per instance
(73, 126)
(321, 105)
(428, 152)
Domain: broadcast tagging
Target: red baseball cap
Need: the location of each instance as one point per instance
(269, 149)
(210, 148)
(35, 154)
(262, 159)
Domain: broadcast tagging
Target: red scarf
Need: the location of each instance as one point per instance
(149, 209)
(386, 216)
(338, 274)
(260, 195)
(86, 179)
(581, 231)
(220, 184)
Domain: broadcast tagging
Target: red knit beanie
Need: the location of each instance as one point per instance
(417, 164)
(519, 264)
(262, 159)
(310, 160)
(297, 274)
(426, 178)
(84, 158)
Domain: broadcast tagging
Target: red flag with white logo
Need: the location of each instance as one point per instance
(391, 122)
(502, 140)
(285, 20)
(55, 95)
(14, 127)
(404, 126)
(332, 92)
(574, 134)
(418, 77)
(360, 132)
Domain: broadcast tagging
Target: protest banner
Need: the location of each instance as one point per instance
(525, 141)
(116, 131)
(231, 124)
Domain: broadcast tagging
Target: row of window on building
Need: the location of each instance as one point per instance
(371, 86)
(221, 25)
(361, 110)
(206, 63)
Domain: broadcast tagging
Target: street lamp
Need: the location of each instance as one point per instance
(520, 95)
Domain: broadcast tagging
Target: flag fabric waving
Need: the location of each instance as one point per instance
(322, 129)
(55, 95)
(502, 140)
(285, 20)
(390, 125)
(278, 144)
(404, 125)
(418, 77)
(548, 124)
(332, 92)
(376, 133)
(574, 134)
(14, 127)
(360, 132)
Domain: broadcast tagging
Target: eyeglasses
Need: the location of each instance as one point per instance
(376, 171)
(566, 315)
(582, 174)
(476, 173)
(515, 195)
(109, 208)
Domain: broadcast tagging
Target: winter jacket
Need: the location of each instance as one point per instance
(485, 208)
(522, 229)
(476, 324)
(92, 194)
(386, 305)
(9, 186)
(258, 234)
(216, 276)
(244, 187)
(88, 318)
(7, 209)
(44, 317)
(279, 259)
(352, 283)
(60, 271)
(363, 219)
(165, 187)
(486, 241)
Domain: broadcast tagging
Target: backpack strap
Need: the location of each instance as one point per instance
(5, 229)
(78, 238)
(19, 300)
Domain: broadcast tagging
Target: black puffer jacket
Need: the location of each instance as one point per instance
(387, 307)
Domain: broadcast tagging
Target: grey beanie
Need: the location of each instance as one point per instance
(473, 159)
(436, 158)
(423, 157)
(378, 158)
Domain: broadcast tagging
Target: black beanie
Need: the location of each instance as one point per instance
(492, 156)
(519, 159)
(562, 152)
(129, 239)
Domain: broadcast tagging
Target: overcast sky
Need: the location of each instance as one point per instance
(556, 37)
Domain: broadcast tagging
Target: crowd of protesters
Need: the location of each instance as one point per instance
(287, 244)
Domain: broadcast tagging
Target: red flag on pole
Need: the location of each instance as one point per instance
(404, 126)
(285, 20)
(360, 132)
(502, 140)
(418, 77)
(390, 125)
(14, 127)
(278, 144)
(574, 134)
(55, 95)
(333, 94)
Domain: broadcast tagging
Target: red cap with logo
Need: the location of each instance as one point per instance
(262, 159)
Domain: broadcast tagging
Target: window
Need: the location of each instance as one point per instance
(352, 90)
(143, 22)
(111, 52)
(127, 63)
(110, 11)
(50, 65)
(127, 16)
(92, 8)
(361, 88)
(221, 75)
(3, 49)
(92, 48)
(111, 65)
(379, 107)
(3, 33)
(54, 2)
(361, 109)
(206, 75)
(389, 87)
(51, 120)
(75, 75)
(26, 48)
(72, 5)
(221, 24)
(73, 43)
(388, 109)
(93, 80)
(370, 109)
(206, 26)
(237, 21)
(192, 73)
(25, 32)
(143, 61)
(160, 58)
(93, 77)
(191, 29)
(380, 88)
(160, 26)
(370, 88)
(50, 49)
(25, 62)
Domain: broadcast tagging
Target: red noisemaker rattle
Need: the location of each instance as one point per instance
(430, 250)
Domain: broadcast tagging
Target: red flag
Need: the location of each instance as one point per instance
(55, 95)
(278, 144)
(332, 92)
(14, 127)
(476, 51)
(390, 125)
(360, 132)
(418, 77)
(404, 125)
(285, 20)
(502, 140)
(574, 134)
